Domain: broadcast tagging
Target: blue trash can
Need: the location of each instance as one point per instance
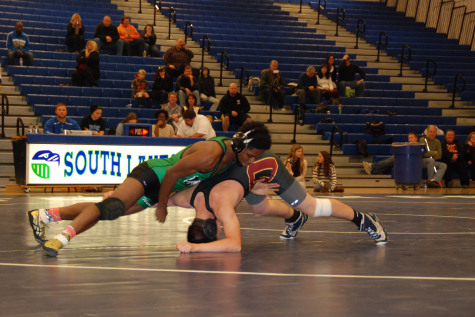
(407, 163)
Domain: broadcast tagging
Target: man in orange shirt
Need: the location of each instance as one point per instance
(128, 33)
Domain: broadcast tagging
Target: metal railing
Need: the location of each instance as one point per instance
(457, 88)
(405, 58)
(359, 30)
(339, 17)
(380, 45)
(320, 9)
(223, 54)
(188, 24)
(428, 72)
(5, 111)
(299, 118)
(140, 6)
(170, 12)
(243, 70)
(19, 122)
(204, 49)
(155, 9)
(332, 138)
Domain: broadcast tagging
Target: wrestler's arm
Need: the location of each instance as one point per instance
(203, 157)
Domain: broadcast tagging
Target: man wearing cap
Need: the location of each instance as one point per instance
(94, 122)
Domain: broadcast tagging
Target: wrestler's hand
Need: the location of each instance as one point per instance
(107, 194)
(184, 247)
(161, 213)
(260, 188)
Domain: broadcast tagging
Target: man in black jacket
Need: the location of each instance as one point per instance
(107, 36)
(346, 77)
(234, 108)
(452, 155)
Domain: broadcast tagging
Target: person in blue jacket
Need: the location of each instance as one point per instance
(61, 123)
(18, 46)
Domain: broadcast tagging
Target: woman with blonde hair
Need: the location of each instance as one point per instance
(324, 173)
(296, 164)
(88, 66)
(75, 35)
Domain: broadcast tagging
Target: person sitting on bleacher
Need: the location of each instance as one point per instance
(195, 126)
(453, 157)
(60, 123)
(131, 37)
(140, 89)
(173, 109)
(469, 153)
(191, 104)
(234, 108)
(162, 85)
(107, 36)
(131, 118)
(347, 77)
(308, 86)
(436, 169)
(324, 173)
(88, 66)
(206, 88)
(177, 58)
(272, 85)
(327, 86)
(94, 122)
(330, 61)
(75, 41)
(186, 84)
(162, 128)
(18, 47)
(149, 37)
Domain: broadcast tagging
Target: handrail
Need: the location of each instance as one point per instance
(440, 12)
(380, 45)
(170, 21)
(457, 88)
(463, 22)
(332, 138)
(18, 122)
(204, 49)
(463, 18)
(320, 9)
(359, 30)
(5, 111)
(339, 18)
(223, 53)
(155, 9)
(403, 57)
(300, 11)
(140, 6)
(428, 73)
(243, 69)
(299, 116)
(186, 30)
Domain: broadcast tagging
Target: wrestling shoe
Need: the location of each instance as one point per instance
(52, 246)
(38, 226)
(368, 167)
(370, 224)
(293, 227)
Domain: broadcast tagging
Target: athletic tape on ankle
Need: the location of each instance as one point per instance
(323, 208)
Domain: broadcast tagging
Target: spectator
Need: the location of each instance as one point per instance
(94, 122)
(107, 36)
(327, 86)
(140, 88)
(162, 85)
(272, 86)
(149, 37)
(234, 108)
(330, 61)
(162, 128)
(324, 173)
(346, 77)
(131, 118)
(435, 168)
(191, 104)
(61, 123)
(18, 47)
(131, 37)
(452, 156)
(308, 86)
(206, 88)
(195, 126)
(296, 164)
(88, 66)
(186, 84)
(173, 109)
(177, 57)
(75, 41)
(469, 153)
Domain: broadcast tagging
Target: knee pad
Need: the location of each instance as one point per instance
(111, 208)
(323, 208)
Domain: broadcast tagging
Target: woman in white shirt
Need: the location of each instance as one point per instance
(326, 84)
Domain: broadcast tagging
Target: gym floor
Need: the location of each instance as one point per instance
(130, 267)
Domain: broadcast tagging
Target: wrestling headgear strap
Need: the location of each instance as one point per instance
(240, 141)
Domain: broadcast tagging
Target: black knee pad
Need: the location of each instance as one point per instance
(111, 208)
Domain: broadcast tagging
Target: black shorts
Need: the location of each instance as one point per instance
(150, 182)
(239, 119)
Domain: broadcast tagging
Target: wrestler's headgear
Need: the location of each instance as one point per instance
(240, 141)
(203, 231)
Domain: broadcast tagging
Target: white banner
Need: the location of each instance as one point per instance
(87, 164)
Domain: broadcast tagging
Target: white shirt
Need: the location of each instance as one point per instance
(326, 83)
(200, 125)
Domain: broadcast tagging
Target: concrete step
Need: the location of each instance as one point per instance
(4, 181)
(6, 157)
